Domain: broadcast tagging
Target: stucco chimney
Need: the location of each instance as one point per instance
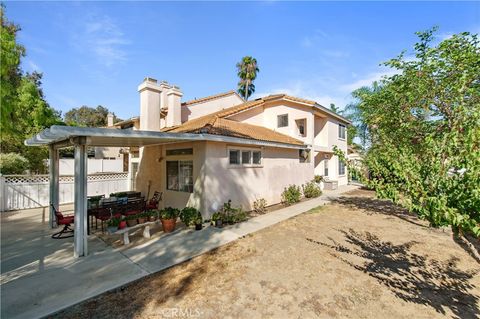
(150, 94)
(110, 120)
(163, 97)
(174, 113)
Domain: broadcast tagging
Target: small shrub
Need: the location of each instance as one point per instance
(291, 195)
(169, 213)
(190, 215)
(318, 179)
(311, 190)
(260, 206)
(13, 163)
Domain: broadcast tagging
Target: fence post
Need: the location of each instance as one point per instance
(3, 193)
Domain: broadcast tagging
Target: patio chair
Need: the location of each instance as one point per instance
(66, 221)
(153, 202)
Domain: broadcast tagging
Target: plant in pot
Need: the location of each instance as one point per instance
(122, 224)
(113, 225)
(168, 217)
(142, 217)
(152, 215)
(189, 215)
(132, 220)
(199, 222)
(217, 219)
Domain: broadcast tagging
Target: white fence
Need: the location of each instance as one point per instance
(22, 191)
(94, 165)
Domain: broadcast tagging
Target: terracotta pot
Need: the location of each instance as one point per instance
(131, 222)
(141, 220)
(169, 224)
(122, 224)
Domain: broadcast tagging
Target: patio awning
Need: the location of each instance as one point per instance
(63, 136)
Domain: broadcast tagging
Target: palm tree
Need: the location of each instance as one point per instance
(247, 71)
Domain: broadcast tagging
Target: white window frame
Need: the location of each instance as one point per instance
(241, 150)
(344, 167)
(344, 131)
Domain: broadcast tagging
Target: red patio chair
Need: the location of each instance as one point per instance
(66, 221)
(153, 203)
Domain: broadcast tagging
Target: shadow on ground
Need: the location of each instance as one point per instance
(372, 206)
(411, 277)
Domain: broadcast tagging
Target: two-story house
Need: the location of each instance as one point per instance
(284, 140)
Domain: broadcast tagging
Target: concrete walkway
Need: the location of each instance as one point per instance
(39, 275)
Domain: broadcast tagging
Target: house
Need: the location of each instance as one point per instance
(284, 140)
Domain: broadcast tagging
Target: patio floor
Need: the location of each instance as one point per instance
(39, 275)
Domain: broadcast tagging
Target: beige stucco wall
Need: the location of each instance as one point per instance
(280, 168)
(192, 111)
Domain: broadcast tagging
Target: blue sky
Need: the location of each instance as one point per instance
(95, 53)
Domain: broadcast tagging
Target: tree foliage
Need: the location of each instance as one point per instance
(25, 111)
(423, 130)
(12, 163)
(88, 116)
(247, 70)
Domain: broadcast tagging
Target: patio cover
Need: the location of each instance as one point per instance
(57, 137)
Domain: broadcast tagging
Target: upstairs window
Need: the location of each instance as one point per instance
(341, 131)
(301, 127)
(282, 120)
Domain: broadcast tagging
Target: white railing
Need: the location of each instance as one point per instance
(30, 191)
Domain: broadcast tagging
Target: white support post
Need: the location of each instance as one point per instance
(54, 184)
(80, 234)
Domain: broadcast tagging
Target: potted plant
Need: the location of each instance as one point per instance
(199, 222)
(168, 217)
(122, 224)
(217, 219)
(132, 220)
(142, 217)
(152, 215)
(189, 216)
(113, 225)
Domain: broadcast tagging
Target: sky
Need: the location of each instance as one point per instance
(97, 53)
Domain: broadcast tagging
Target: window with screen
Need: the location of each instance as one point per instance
(341, 131)
(245, 157)
(341, 167)
(180, 176)
(282, 120)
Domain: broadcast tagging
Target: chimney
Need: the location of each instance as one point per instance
(150, 93)
(109, 120)
(174, 113)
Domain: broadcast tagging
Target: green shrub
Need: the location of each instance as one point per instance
(291, 195)
(311, 190)
(318, 179)
(169, 213)
(13, 163)
(190, 216)
(260, 206)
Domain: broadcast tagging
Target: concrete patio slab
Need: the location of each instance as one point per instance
(39, 275)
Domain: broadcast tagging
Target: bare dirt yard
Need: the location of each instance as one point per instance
(358, 257)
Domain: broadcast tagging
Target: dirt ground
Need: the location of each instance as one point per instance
(356, 258)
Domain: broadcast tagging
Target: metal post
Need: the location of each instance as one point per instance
(80, 234)
(54, 184)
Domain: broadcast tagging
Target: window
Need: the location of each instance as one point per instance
(341, 167)
(325, 168)
(182, 151)
(244, 157)
(234, 157)
(304, 156)
(257, 157)
(301, 124)
(180, 176)
(341, 131)
(282, 120)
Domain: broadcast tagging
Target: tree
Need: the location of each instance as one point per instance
(88, 116)
(334, 108)
(25, 111)
(12, 163)
(423, 127)
(247, 71)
